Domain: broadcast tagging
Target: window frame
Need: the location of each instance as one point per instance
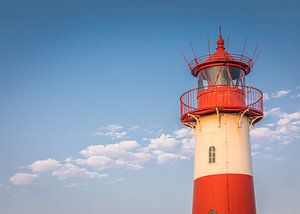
(212, 154)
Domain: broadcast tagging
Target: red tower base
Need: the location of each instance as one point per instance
(224, 194)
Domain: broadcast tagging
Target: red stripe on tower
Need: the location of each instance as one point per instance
(226, 193)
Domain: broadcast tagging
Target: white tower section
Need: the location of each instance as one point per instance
(222, 145)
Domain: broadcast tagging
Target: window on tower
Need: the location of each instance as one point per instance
(212, 154)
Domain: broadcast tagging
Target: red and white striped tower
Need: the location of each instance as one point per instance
(221, 111)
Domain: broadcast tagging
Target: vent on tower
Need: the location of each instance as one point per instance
(212, 212)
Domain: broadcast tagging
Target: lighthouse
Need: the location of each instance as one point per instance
(221, 111)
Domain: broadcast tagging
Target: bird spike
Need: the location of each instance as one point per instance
(244, 49)
(208, 43)
(194, 53)
(254, 52)
(185, 59)
(256, 58)
(228, 39)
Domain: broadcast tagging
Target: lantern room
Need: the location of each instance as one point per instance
(221, 86)
(221, 68)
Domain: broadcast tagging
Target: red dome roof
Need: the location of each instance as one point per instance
(220, 53)
(221, 57)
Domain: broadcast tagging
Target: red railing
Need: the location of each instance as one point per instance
(189, 102)
(207, 58)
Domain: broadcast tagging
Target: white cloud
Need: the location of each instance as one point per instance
(134, 160)
(283, 121)
(296, 122)
(113, 131)
(98, 161)
(273, 112)
(134, 127)
(256, 146)
(23, 179)
(110, 150)
(287, 118)
(184, 133)
(164, 142)
(44, 165)
(286, 142)
(113, 127)
(72, 185)
(166, 157)
(284, 130)
(167, 148)
(281, 93)
(69, 170)
(187, 146)
(266, 96)
(141, 157)
(261, 132)
(113, 135)
(125, 154)
(133, 156)
(129, 165)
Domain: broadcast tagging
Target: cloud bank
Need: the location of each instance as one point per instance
(95, 161)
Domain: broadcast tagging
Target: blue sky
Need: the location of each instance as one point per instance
(90, 92)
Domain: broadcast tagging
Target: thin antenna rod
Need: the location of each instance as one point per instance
(208, 46)
(220, 31)
(185, 59)
(244, 49)
(195, 56)
(254, 52)
(256, 58)
(228, 39)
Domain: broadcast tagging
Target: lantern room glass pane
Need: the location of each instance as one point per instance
(202, 82)
(222, 75)
(211, 74)
(217, 75)
(237, 75)
(234, 72)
